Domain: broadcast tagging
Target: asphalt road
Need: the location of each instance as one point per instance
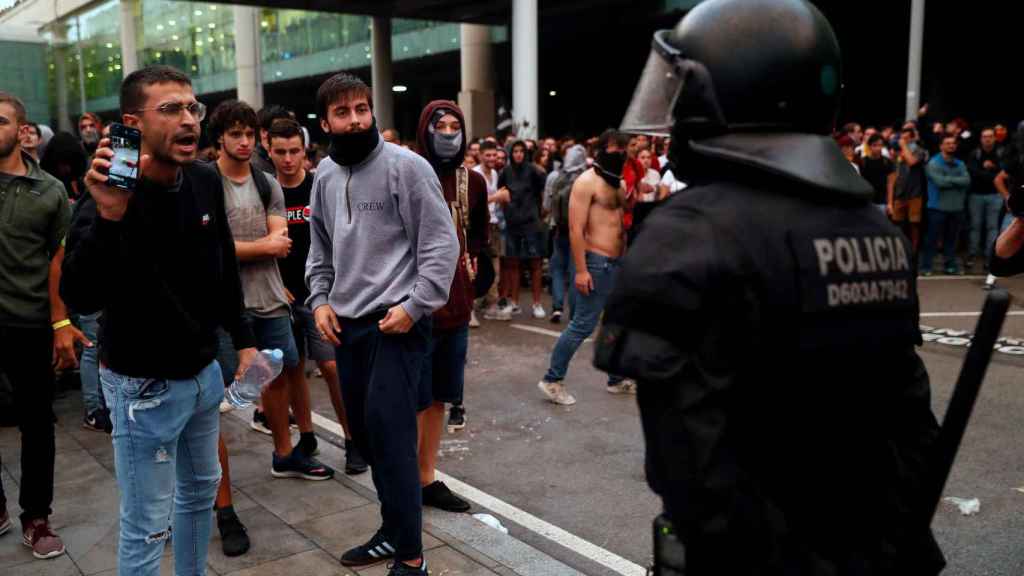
(581, 467)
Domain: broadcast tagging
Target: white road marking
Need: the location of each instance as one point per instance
(542, 331)
(553, 533)
(944, 277)
(963, 314)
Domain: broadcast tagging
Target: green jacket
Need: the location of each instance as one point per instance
(34, 217)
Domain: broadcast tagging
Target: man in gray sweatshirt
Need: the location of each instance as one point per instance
(382, 258)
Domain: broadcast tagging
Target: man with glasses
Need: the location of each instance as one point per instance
(160, 262)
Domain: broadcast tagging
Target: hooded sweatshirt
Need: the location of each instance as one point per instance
(525, 183)
(380, 234)
(456, 313)
(574, 164)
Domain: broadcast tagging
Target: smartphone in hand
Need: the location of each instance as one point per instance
(127, 145)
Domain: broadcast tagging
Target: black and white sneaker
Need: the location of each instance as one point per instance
(375, 551)
(259, 423)
(98, 421)
(556, 317)
(298, 465)
(456, 418)
(403, 569)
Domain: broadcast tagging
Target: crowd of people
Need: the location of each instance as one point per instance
(938, 179)
(370, 257)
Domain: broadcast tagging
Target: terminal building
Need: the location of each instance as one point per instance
(550, 66)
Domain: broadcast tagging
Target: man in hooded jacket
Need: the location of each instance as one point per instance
(441, 140)
(556, 202)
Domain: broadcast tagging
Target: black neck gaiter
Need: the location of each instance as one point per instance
(351, 148)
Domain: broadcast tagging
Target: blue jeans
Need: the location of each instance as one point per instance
(165, 443)
(984, 210)
(946, 225)
(561, 264)
(585, 316)
(89, 368)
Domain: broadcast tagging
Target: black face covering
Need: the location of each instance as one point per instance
(351, 148)
(609, 166)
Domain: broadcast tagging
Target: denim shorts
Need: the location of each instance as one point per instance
(276, 333)
(444, 369)
(525, 245)
(307, 338)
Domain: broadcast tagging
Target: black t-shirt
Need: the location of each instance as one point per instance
(876, 172)
(293, 268)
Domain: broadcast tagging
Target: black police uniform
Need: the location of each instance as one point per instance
(770, 316)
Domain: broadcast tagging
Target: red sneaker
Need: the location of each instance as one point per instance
(43, 542)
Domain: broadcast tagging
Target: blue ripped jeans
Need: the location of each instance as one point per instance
(165, 443)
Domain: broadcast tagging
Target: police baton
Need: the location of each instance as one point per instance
(964, 395)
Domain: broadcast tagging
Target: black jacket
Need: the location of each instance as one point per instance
(771, 323)
(165, 276)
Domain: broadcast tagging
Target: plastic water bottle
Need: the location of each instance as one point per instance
(264, 369)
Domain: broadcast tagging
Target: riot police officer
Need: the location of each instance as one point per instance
(770, 313)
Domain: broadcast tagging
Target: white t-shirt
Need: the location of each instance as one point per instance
(492, 187)
(653, 179)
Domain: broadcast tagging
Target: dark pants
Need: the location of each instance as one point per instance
(25, 359)
(380, 378)
(947, 226)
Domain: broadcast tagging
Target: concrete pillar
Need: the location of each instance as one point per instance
(477, 95)
(129, 43)
(382, 75)
(249, 70)
(914, 60)
(60, 73)
(525, 106)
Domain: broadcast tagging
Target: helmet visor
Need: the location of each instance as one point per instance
(654, 100)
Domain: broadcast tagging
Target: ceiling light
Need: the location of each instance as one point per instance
(399, 88)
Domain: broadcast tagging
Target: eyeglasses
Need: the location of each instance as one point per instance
(174, 109)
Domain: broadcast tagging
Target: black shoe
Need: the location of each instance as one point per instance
(373, 552)
(298, 465)
(403, 569)
(259, 423)
(456, 418)
(354, 463)
(556, 317)
(233, 535)
(437, 495)
(98, 421)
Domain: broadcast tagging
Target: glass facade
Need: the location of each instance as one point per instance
(198, 38)
(19, 75)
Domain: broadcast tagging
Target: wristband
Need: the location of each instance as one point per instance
(61, 324)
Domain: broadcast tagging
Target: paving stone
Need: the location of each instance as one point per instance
(339, 532)
(71, 466)
(314, 562)
(271, 540)
(296, 501)
(443, 560)
(59, 566)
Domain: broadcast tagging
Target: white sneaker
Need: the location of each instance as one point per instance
(990, 282)
(538, 312)
(556, 393)
(514, 309)
(473, 322)
(496, 313)
(225, 407)
(624, 387)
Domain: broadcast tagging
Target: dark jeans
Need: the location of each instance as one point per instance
(380, 378)
(946, 225)
(25, 359)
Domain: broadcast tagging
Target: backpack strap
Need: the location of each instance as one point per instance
(259, 177)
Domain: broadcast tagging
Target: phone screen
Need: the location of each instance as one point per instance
(126, 143)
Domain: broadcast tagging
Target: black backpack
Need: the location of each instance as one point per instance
(259, 177)
(561, 192)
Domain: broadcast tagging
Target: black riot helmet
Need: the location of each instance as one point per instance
(741, 65)
(736, 75)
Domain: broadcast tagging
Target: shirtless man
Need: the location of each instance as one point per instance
(596, 240)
